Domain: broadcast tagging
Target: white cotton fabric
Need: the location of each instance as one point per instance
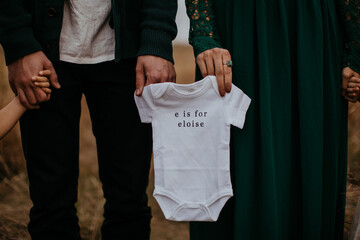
(86, 37)
(191, 135)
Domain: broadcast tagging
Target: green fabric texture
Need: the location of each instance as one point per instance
(289, 162)
(349, 12)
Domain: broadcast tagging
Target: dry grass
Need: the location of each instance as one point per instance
(14, 196)
(353, 186)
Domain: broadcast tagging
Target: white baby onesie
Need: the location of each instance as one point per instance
(191, 135)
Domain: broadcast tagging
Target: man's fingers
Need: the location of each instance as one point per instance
(172, 73)
(41, 96)
(30, 95)
(163, 76)
(54, 80)
(53, 76)
(23, 98)
(24, 101)
(140, 79)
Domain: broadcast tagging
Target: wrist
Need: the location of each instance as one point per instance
(18, 105)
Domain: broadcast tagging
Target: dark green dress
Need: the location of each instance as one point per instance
(289, 162)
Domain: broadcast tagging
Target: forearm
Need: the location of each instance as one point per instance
(9, 115)
(202, 35)
(158, 28)
(350, 20)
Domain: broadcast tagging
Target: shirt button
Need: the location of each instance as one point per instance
(51, 12)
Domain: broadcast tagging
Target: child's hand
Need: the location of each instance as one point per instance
(42, 81)
(353, 89)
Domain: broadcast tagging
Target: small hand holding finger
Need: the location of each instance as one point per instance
(20, 78)
(41, 81)
(45, 73)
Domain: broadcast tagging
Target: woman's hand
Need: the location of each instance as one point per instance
(217, 61)
(350, 84)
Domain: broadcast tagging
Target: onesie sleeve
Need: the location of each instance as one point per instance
(236, 105)
(145, 104)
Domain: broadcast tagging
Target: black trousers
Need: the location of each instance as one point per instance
(50, 138)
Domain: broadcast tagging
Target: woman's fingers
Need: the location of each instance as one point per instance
(353, 85)
(217, 61)
(227, 70)
(355, 79)
(219, 72)
(352, 99)
(209, 62)
(347, 73)
(201, 64)
(352, 91)
(353, 88)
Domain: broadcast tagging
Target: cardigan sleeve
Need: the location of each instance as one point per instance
(16, 33)
(350, 18)
(202, 35)
(158, 28)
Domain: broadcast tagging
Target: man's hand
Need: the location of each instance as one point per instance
(152, 69)
(20, 78)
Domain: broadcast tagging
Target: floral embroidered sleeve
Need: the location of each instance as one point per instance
(350, 14)
(202, 34)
